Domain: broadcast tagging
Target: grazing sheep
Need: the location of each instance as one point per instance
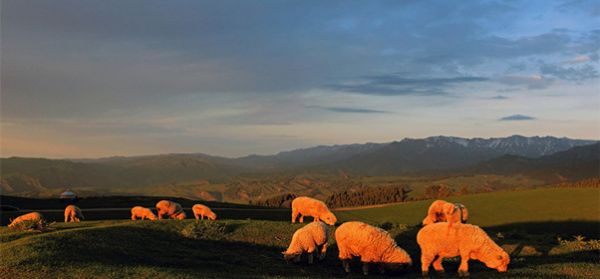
(178, 216)
(443, 211)
(171, 209)
(73, 214)
(305, 206)
(201, 210)
(464, 240)
(32, 216)
(309, 239)
(142, 213)
(372, 245)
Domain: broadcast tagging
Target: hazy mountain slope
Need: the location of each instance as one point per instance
(32, 174)
(259, 176)
(576, 163)
(307, 156)
(444, 153)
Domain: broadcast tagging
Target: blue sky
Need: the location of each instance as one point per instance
(102, 78)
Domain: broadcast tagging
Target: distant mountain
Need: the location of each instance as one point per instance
(574, 164)
(191, 173)
(444, 153)
(307, 156)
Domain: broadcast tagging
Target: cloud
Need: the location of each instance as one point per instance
(580, 73)
(395, 85)
(353, 110)
(499, 97)
(578, 59)
(531, 82)
(516, 117)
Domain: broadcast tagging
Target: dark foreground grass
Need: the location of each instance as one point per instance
(550, 233)
(252, 249)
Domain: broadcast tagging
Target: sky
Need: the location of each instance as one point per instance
(84, 79)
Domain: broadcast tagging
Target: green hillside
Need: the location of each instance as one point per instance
(551, 204)
(549, 233)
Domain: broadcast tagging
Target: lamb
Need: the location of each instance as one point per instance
(305, 206)
(73, 214)
(32, 216)
(372, 245)
(201, 210)
(443, 211)
(171, 209)
(142, 213)
(309, 239)
(464, 240)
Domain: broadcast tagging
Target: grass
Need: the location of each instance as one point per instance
(549, 204)
(554, 242)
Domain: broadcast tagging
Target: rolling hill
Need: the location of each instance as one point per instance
(317, 171)
(544, 241)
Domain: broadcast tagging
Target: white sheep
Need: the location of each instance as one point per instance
(443, 211)
(373, 245)
(439, 241)
(73, 214)
(305, 206)
(309, 239)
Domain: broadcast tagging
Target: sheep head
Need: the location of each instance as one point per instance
(212, 216)
(497, 259)
(329, 218)
(291, 256)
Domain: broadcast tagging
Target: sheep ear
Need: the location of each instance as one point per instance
(283, 253)
(11, 220)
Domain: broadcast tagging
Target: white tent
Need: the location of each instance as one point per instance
(68, 194)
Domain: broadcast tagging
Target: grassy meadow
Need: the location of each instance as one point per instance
(550, 233)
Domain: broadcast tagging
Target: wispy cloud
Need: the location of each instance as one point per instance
(570, 73)
(396, 85)
(531, 82)
(578, 59)
(499, 97)
(353, 110)
(516, 117)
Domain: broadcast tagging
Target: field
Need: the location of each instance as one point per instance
(548, 232)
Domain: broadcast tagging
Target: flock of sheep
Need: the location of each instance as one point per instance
(445, 234)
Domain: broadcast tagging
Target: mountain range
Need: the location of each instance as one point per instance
(558, 157)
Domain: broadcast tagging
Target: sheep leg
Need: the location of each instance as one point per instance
(311, 257)
(196, 216)
(463, 268)
(437, 265)
(323, 252)
(425, 262)
(346, 265)
(202, 216)
(365, 268)
(132, 217)
(294, 216)
(66, 218)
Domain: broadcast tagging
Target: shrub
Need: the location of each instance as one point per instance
(204, 230)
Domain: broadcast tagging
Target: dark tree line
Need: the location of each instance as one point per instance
(369, 196)
(284, 201)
